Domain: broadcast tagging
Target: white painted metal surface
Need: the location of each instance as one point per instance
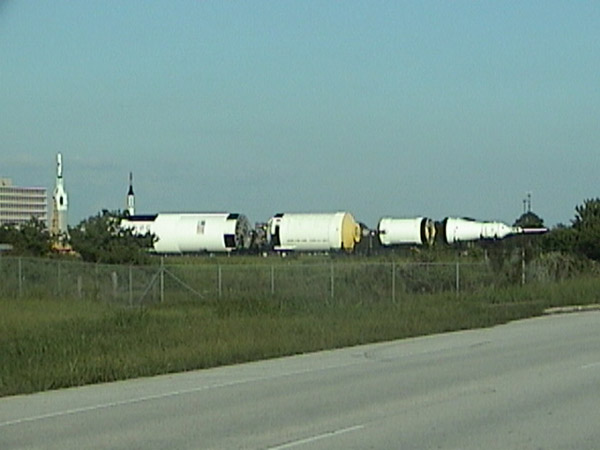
(131, 197)
(460, 230)
(417, 231)
(193, 232)
(313, 232)
(60, 202)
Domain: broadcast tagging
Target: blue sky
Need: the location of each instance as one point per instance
(380, 108)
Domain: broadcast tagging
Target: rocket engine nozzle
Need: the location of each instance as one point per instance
(534, 230)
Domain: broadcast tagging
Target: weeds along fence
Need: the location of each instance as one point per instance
(293, 282)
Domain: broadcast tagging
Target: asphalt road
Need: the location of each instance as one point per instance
(532, 384)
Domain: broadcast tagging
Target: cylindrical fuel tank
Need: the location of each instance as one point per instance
(193, 232)
(417, 231)
(460, 230)
(313, 232)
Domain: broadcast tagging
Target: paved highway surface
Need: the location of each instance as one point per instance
(533, 384)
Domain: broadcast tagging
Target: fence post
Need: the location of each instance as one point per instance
(162, 279)
(523, 265)
(115, 284)
(272, 280)
(20, 273)
(220, 280)
(130, 286)
(58, 279)
(332, 282)
(457, 278)
(96, 285)
(394, 282)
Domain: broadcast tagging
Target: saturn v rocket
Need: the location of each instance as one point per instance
(59, 202)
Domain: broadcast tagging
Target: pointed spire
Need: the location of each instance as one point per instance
(131, 196)
(59, 201)
(130, 184)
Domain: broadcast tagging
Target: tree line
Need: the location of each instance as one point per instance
(100, 239)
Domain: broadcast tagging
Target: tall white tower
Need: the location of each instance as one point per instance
(130, 197)
(59, 202)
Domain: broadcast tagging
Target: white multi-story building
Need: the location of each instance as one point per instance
(19, 204)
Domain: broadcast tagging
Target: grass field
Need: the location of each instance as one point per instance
(50, 344)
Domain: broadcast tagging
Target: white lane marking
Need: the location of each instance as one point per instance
(590, 366)
(132, 401)
(317, 437)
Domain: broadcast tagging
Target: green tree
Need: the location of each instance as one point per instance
(529, 245)
(101, 239)
(587, 226)
(561, 238)
(529, 220)
(29, 239)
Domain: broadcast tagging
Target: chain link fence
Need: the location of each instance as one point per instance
(303, 282)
